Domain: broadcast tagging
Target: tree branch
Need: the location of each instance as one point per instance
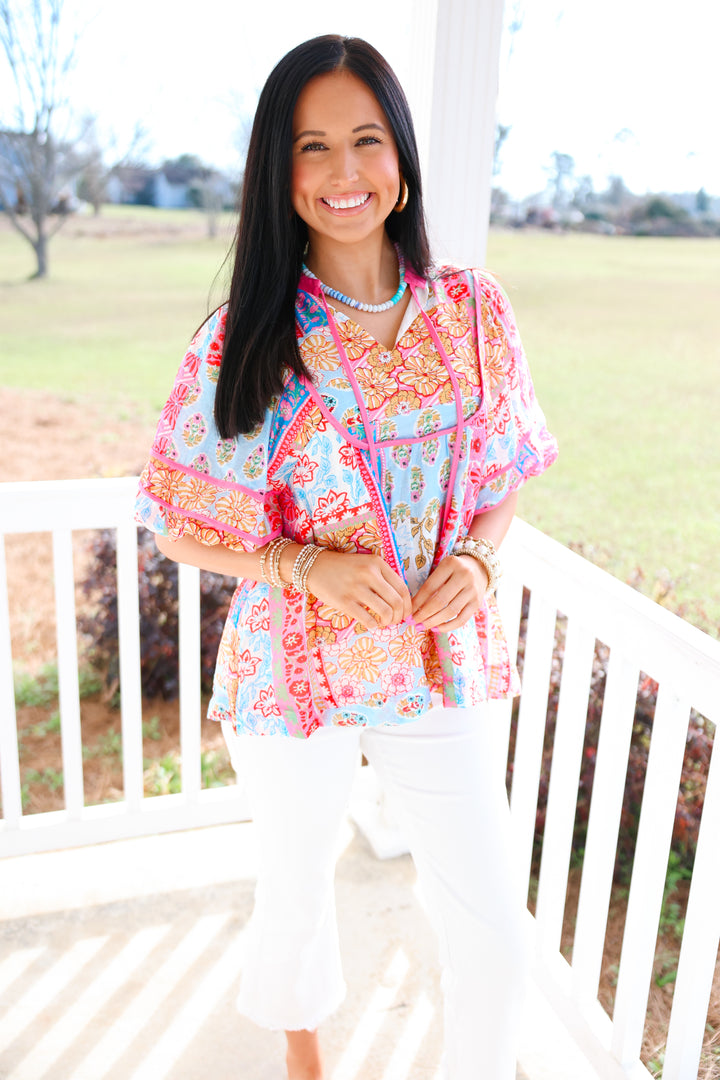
(16, 222)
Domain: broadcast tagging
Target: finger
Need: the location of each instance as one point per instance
(435, 580)
(394, 580)
(442, 599)
(397, 594)
(467, 613)
(447, 605)
(443, 617)
(363, 616)
(387, 608)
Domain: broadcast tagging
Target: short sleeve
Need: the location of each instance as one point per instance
(196, 483)
(519, 444)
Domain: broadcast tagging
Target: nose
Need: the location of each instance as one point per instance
(344, 165)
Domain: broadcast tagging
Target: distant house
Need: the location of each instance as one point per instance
(173, 186)
(128, 184)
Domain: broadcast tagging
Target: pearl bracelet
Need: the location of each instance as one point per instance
(270, 561)
(484, 552)
(270, 564)
(303, 565)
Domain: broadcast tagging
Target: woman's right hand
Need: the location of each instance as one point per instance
(363, 587)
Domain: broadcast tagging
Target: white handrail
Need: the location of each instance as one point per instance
(61, 507)
(641, 637)
(68, 681)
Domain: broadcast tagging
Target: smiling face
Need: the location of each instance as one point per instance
(345, 174)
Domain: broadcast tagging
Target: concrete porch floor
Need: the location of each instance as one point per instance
(120, 962)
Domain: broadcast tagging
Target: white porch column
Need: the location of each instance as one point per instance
(462, 132)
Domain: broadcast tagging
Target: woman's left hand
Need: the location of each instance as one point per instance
(452, 594)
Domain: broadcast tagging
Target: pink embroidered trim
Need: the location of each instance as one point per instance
(361, 444)
(458, 405)
(221, 526)
(231, 484)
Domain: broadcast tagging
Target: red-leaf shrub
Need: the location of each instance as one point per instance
(694, 771)
(158, 596)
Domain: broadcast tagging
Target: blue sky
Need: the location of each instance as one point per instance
(580, 74)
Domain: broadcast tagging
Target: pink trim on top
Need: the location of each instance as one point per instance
(231, 484)
(458, 405)
(413, 279)
(213, 522)
(312, 286)
(327, 413)
(484, 398)
(420, 438)
(347, 368)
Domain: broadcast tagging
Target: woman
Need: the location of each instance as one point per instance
(347, 435)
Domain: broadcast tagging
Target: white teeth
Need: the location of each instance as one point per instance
(344, 204)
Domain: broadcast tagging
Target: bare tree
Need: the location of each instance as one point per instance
(38, 159)
(562, 179)
(514, 24)
(100, 156)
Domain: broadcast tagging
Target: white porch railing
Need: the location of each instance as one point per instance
(641, 637)
(61, 507)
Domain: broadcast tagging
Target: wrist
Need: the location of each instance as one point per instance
(479, 567)
(287, 561)
(484, 553)
(312, 575)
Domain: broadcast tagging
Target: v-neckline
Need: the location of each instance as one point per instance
(361, 331)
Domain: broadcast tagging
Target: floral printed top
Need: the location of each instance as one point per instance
(388, 451)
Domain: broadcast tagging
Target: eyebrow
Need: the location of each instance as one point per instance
(362, 127)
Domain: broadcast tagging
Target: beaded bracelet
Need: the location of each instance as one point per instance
(276, 556)
(270, 561)
(303, 565)
(263, 557)
(270, 564)
(484, 552)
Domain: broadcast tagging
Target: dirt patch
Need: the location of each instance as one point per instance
(662, 984)
(79, 439)
(146, 224)
(41, 753)
(55, 439)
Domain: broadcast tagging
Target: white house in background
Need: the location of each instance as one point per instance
(171, 186)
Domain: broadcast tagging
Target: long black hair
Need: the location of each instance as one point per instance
(260, 342)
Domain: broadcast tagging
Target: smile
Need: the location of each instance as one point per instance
(348, 203)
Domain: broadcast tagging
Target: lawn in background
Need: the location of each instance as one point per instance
(623, 336)
(113, 319)
(622, 333)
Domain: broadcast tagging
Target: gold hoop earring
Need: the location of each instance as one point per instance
(404, 195)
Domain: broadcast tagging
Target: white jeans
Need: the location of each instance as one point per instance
(453, 809)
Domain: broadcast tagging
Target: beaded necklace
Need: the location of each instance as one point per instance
(357, 304)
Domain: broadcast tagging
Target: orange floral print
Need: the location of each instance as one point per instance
(319, 353)
(363, 660)
(239, 510)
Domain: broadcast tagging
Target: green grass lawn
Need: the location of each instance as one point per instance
(115, 315)
(622, 335)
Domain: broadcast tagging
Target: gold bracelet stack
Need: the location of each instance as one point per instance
(485, 553)
(270, 564)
